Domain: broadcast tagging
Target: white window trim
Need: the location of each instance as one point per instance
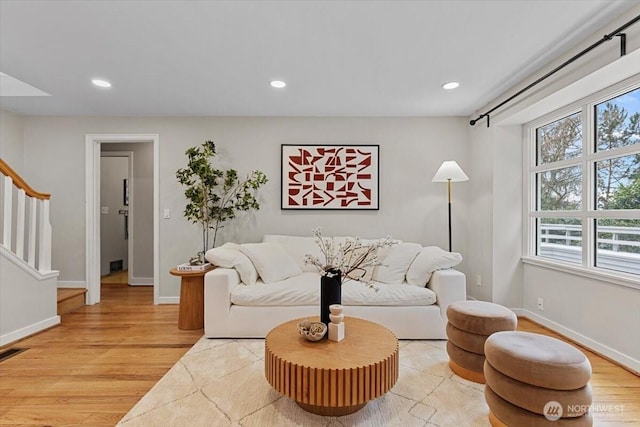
(586, 213)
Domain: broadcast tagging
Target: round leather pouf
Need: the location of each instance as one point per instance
(513, 416)
(480, 317)
(466, 340)
(464, 358)
(575, 403)
(538, 360)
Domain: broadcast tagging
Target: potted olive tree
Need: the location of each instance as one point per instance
(215, 196)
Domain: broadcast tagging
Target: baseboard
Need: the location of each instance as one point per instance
(72, 284)
(168, 300)
(29, 330)
(141, 281)
(603, 350)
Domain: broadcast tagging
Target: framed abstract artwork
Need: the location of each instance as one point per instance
(330, 177)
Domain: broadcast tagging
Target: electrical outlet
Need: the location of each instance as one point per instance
(540, 304)
(479, 280)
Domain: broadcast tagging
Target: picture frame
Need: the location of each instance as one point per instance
(330, 177)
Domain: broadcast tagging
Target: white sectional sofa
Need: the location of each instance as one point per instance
(258, 286)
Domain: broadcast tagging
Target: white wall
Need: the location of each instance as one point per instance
(412, 208)
(604, 316)
(495, 228)
(11, 140)
(27, 300)
(480, 236)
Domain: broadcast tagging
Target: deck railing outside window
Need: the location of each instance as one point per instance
(618, 247)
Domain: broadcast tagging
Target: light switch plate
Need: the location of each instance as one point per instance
(167, 214)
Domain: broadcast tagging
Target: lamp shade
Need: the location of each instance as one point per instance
(450, 171)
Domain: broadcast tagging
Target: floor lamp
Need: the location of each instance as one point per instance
(450, 172)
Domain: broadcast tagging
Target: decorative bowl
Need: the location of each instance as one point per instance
(313, 331)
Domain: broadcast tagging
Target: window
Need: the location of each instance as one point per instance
(584, 183)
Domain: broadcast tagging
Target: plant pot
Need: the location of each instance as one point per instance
(330, 293)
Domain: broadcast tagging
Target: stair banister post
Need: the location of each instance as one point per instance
(6, 212)
(31, 245)
(20, 224)
(44, 253)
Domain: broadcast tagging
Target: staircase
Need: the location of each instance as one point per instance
(28, 284)
(70, 299)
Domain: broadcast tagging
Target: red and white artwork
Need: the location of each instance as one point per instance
(330, 176)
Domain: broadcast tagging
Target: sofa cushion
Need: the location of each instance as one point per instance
(297, 247)
(271, 260)
(229, 256)
(304, 289)
(395, 261)
(430, 259)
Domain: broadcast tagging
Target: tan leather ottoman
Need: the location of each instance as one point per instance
(470, 324)
(536, 380)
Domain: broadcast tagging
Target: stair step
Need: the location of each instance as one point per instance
(70, 299)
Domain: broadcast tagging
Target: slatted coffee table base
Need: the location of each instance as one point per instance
(332, 378)
(328, 411)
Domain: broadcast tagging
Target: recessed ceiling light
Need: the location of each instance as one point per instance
(278, 84)
(101, 83)
(450, 85)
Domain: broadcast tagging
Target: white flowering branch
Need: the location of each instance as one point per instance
(351, 257)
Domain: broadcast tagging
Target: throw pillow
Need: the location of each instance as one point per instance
(430, 259)
(229, 256)
(271, 260)
(297, 247)
(395, 261)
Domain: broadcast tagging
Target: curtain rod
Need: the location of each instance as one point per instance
(615, 33)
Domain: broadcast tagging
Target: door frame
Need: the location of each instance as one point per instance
(92, 208)
(130, 211)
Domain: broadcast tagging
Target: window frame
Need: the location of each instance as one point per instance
(588, 213)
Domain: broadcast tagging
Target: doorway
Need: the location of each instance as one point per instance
(116, 213)
(94, 144)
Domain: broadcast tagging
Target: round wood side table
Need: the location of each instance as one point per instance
(191, 315)
(332, 378)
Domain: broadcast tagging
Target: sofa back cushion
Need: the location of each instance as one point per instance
(271, 260)
(297, 247)
(430, 259)
(395, 261)
(229, 256)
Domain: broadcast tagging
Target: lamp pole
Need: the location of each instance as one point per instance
(449, 197)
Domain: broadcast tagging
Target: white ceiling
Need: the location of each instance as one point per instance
(339, 58)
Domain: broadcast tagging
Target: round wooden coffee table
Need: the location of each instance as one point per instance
(332, 378)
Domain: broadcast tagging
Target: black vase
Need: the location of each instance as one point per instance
(330, 293)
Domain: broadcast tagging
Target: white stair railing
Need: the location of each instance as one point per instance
(25, 219)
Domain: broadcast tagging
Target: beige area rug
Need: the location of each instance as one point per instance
(221, 382)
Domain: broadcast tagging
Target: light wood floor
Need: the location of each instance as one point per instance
(92, 369)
